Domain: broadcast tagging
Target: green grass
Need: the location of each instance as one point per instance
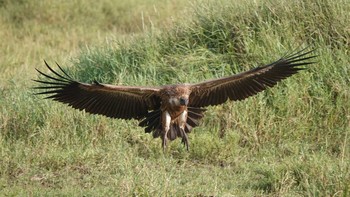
(291, 140)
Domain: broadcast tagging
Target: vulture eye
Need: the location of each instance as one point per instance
(183, 101)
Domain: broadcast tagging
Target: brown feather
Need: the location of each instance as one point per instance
(152, 122)
(246, 84)
(124, 102)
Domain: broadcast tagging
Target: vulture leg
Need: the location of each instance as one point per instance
(164, 141)
(182, 123)
(165, 127)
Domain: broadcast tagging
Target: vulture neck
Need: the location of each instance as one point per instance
(175, 111)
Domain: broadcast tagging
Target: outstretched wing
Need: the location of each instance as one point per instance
(124, 102)
(249, 83)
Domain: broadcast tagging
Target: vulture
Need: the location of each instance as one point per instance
(168, 111)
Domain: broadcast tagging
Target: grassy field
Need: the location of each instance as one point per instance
(292, 140)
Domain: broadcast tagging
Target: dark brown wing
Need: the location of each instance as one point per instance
(124, 102)
(249, 83)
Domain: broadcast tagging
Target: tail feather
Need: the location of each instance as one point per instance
(197, 111)
(156, 133)
(153, 122)
(193, 122)
(174, 132)
(188, 128)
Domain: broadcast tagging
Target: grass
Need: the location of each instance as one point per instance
(292, 140)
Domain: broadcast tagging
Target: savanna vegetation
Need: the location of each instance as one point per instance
(292, 140)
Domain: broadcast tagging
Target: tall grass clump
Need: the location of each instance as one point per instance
(222, 39)
(305, 114)
(291, 140)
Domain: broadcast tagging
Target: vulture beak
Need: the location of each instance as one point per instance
(183, 101)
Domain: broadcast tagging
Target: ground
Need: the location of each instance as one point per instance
(291, 140)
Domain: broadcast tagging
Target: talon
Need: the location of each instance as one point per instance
(164, 142)
(184, 139)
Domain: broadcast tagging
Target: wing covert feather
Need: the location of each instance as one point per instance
(123, 102)
(249, 83)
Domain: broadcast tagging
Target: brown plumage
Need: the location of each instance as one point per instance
(169, 111)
